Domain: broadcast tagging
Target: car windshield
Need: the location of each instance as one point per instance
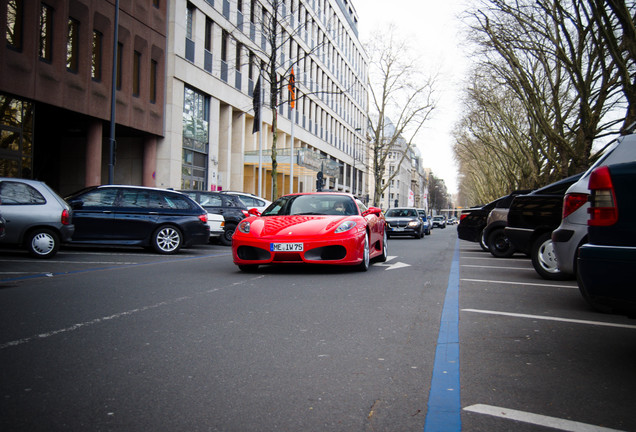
(401, 213)
(314, 204)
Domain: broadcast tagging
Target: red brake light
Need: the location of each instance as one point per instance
(66, 217)
(204, 218)
(572, 202)
(603, 211)
(462, 216)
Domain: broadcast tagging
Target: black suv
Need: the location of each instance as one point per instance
(230, 206)
(531, 220)
(472, 225)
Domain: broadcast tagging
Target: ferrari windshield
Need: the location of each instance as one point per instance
(312, 204)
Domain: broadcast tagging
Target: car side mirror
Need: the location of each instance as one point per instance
(373, 210)
(254, 212)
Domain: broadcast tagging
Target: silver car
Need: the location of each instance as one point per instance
(36, 218)
(572, 233)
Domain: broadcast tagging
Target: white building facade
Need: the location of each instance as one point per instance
(216, 49)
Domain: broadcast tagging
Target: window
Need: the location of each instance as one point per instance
(14, 193)
(120, 56)
(96, 60)
(153, 81)
(189, 20)
(136, 75)
(239, 48)
(209, 32)
(72, 45)
(46, 35)
(15, 15)
(224, 39)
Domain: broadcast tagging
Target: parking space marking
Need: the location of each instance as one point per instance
(496, 267)
(519, 283)
(551, 318)
(536, 419)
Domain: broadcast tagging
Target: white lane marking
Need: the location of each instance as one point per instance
(117, 315)
(520, 283)
(536, 419)
(551, 318)
(495, 267)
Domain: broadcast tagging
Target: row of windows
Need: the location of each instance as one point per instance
(313, 117)
(47, 17)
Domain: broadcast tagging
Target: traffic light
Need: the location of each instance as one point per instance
(320, 181)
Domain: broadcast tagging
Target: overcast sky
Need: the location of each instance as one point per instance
(437, 37)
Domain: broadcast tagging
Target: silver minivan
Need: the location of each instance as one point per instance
(572, 233)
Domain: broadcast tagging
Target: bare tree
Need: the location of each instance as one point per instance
(402, 100)
(615, 20)
(547, 56)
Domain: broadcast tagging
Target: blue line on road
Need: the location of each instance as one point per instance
(444, 404)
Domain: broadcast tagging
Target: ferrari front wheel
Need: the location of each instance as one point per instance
(364, 265)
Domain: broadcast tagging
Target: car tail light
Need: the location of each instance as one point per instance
(572, 202)
(462, 216)
(204, 218)
(603, 210)
(66, 217)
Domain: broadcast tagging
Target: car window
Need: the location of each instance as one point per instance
(99, 198)
(175, 201)
(19, 193)
(134, 198)
(361, 206)
(210, 200)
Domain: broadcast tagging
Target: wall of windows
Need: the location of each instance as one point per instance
(196, 111)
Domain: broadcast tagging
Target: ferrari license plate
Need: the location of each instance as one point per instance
(286, 247)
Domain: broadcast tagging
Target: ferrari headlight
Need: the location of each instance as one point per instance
(413, 224)
(345, 226)
(244, 227)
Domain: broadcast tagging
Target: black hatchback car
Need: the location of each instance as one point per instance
(160, 219)
(230, 206)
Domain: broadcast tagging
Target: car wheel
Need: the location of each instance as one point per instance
(226, 237)
(364, 265)
(499, 244)
(167, 239)
(385, 249)
(43, 243)
(544, 260)
(482, 241)
(248, 268)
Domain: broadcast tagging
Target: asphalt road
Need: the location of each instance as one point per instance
(125, 340)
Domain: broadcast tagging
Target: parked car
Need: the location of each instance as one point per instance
(473, 221)
(426, 221)
(36, 218)
(497, 241)
(607, 261)
(568, 237)
(251, 201)
(404, 221)
(229, 206)
(314, 228)
(161, 219)
(439, 222)
(531, 220)
(216, 222)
